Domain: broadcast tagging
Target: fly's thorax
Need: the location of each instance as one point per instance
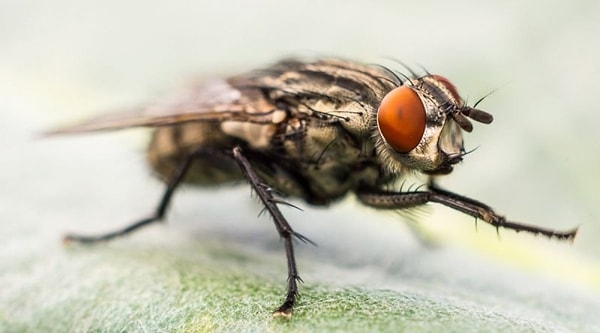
(419, 126)
(328, 159)
(258, 136)
(358, 119)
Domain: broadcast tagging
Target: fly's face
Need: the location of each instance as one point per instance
(420, 125)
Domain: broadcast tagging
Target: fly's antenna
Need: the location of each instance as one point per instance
(484, 97)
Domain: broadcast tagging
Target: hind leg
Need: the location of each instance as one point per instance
(178, 174)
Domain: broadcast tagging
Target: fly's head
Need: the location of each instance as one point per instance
(420, 125)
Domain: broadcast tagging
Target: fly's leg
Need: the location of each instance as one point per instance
(175, 180)
(283, 228)
(479, 210)
(265, 195)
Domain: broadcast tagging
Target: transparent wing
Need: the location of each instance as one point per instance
(208, 101)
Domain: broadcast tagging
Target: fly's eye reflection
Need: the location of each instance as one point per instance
(401, 119)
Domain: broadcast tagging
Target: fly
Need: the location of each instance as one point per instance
(312, 130)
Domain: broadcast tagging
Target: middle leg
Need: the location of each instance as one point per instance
(283, 228)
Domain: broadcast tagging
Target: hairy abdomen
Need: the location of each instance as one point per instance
(172, 145)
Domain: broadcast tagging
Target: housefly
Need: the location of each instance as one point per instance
(315, 130)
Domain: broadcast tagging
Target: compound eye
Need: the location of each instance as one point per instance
(401, 119)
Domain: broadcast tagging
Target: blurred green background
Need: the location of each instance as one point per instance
(215, 266)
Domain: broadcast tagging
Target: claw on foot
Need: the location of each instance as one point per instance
(284, 311)
(280, 313)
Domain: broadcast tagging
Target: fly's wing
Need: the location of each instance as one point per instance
(289, 88)
(215, 101)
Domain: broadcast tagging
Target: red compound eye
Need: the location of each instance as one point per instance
(401, 119)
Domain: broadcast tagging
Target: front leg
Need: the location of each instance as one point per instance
(400, 200)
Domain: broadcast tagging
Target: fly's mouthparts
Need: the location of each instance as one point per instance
(455, 158)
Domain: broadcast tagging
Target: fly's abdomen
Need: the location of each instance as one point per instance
(171, 145)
